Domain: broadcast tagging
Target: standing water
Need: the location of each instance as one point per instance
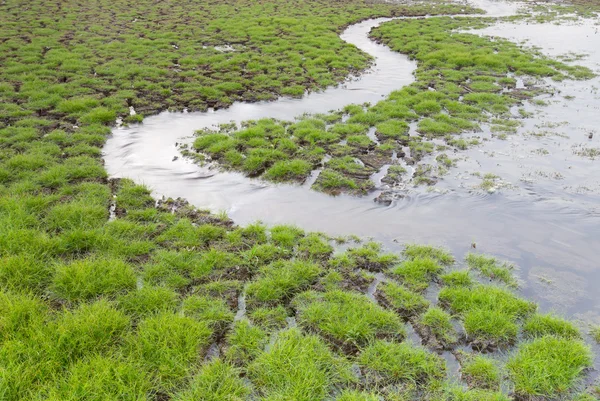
(548, 227)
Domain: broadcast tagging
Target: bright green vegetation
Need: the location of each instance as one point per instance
(462, 81)
(134, 308)
(595, 333)
(388, 362)
(489, 267)
(563, 362)
(404, 301)
(490, 314)
(349, 319)
(216, 381)
(540, 325)
(298, 367)
(417, 273)
(480, 372)
(436, 327)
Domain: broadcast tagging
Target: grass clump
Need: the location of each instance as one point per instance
(288, 170)
(595, 333)
(102, 378)
(548, 366)
(407, 303)
(270, 318)
(489, 314)
(457, 278)
(480, 372)
(245, 342)
(297, 367)
(349, 319)
(490, 267)
(417, 273)
(85, 279)
(540, 325)
(212, 311)
(169, 346)
(414, 251)
(349, 395)
(387, 362)
(216, 381)
(148, 300)
(437, 326)
(281, 280)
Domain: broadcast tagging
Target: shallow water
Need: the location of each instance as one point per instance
(548, 227)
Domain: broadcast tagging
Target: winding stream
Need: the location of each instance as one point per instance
(555, 239)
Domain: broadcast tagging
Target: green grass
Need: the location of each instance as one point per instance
(297, 367)
(490, 314)
(280, 281)
(489, 267)
(403, 363)
(169, 346)
(245, 342)
(480, 372)
(351, 320)
(540, 325)
(216, 381)
(415, 251)
(86, 279)
(595, 333)
(417, 273)
(457, 278)
(548, 366)
(407, 303)
(438, 323)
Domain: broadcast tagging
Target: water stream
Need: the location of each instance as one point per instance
(551, 232)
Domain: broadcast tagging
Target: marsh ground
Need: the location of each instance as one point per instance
(107, 294)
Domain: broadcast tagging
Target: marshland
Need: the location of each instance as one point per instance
(337, 200)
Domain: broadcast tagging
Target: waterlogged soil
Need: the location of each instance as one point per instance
(529, 195)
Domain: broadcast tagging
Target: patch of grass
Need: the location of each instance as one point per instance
(281, 280)
(417, 273)
(102, 378)
(297, 367)
(492, 268)
(349, 395)
(148, 300)
(349, 319)
(216, 381)
(595, 333)
(169, 346)
(270, 318)
(438, 323)
(489, 314)
(212, 311)
(415, 251)
(370, 257)
(85, 279)
(457, 278)
(404, 301)
(540, 325)
(387, 362)
(480, 372)
(245, 342)
(548, 366)
(288, 170)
